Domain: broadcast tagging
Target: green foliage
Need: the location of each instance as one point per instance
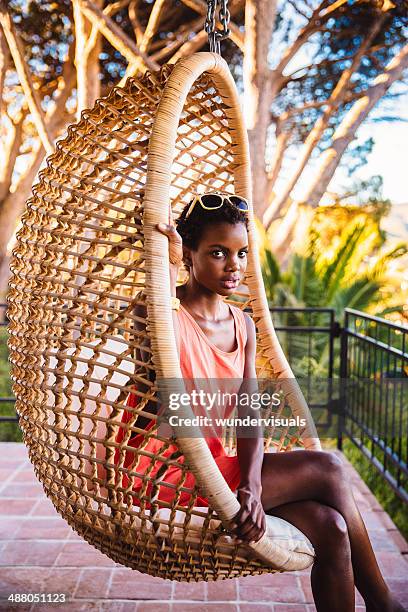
(9, 432)
(344, 264)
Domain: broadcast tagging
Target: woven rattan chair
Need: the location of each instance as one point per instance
(86, 254)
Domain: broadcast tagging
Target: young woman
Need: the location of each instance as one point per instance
(307, 488)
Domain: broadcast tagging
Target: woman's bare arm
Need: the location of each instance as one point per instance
(250, 521)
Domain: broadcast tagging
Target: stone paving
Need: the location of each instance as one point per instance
(40, 553)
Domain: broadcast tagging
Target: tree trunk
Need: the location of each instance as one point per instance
(12, 206)
(4, 61)
(259, 22)
(346, 131)
(87, 49)
(9, 153)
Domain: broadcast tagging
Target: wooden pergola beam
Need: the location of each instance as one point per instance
(33, 99)
(117, 38)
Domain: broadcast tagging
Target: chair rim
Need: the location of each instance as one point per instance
(156, 201)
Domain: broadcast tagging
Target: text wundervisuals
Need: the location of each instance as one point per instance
(205, 421)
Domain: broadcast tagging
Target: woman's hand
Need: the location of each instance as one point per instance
(249, 524)
(175, 241)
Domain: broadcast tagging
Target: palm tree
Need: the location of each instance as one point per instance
(341, 266)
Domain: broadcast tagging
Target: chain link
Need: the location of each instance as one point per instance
(214, 35)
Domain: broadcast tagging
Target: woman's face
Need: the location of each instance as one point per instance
(220, 260)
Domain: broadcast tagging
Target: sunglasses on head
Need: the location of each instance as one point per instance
(213, 201)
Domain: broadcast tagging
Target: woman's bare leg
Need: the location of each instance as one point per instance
(320, 476)
(332, 573)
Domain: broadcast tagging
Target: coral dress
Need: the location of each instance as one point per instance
(200, 360)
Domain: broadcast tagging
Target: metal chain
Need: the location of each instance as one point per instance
(214, 35)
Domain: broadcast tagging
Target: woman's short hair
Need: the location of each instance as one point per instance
(192, 228)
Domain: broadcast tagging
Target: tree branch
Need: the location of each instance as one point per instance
(345, 132)
(134, 20)
(181, 36)
(113, 33)
(33, 100)
(316, 133)
(298, 10)
(148, 34)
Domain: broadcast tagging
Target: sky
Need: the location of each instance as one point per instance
(389, 157)
(390, 151)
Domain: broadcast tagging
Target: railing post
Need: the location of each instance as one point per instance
(343, 377)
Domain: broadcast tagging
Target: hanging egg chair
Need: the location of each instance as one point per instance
(87, 253)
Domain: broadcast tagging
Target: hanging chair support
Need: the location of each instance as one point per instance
(215, 36)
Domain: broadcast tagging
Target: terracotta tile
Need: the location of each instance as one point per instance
(16, 449)
(222, 590)
(363, 487)
(392, 564)
(373, 502)
(93, 583)
(306, 588)
(70, 606)
(269, 580)
(35, 553)
(381, 541)
(43, 529)
(22, 490)
(189, 590)
(359, 599)
(279, 594)
(9, 464)
(73, 535)
(153, 606)
(4, 475)
(385, 520)
(80, 554)
(207, 607)
(399, 540)
(16, 507)
(43, 507)
(124, 606)
(6, 605)
(248, 607)
(21, 580)
(129, 585)
(289, 608)
(9, 527)
(59, 580)
(371, 520)
(25, 476)
(399, 588)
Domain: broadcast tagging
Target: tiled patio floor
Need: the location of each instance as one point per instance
(40, 553)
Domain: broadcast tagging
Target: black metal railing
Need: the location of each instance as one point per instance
(308, 338)
(374, 394)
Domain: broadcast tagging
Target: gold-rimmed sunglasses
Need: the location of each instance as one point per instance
(213, 201)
